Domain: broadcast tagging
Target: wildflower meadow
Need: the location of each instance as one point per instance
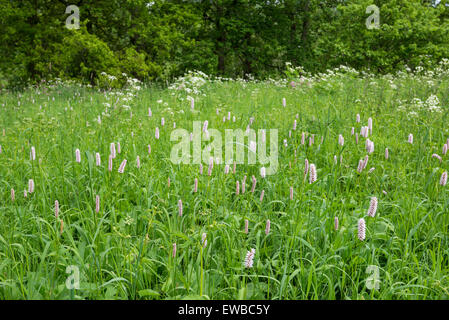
(353, 202)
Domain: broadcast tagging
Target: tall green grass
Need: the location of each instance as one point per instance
(125, 250)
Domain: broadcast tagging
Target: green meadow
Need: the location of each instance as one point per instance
(126, 249)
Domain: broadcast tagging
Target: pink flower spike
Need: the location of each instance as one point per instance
(56, 208)
(180, 207)
(112, 149)
(249, 258)
(436, 156)
(341, 140)
(32, 153)
(97, 204)
(306, 167)
(121, 169)
(253, 188)
(267, 227)
(361, 229)
(204, 240)
(443, 179)
(110, 162)
(263, 172)
(312, 174)
(30, 186)
(372, 207)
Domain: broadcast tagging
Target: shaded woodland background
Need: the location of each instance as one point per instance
(160, 40)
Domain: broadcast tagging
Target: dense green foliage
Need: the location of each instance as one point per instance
(124, 251)
(156, 40)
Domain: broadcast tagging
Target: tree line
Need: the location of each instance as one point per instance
(158, 40)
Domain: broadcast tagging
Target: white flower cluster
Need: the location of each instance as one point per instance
(190, 83)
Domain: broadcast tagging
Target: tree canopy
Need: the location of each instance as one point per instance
(157, 40)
